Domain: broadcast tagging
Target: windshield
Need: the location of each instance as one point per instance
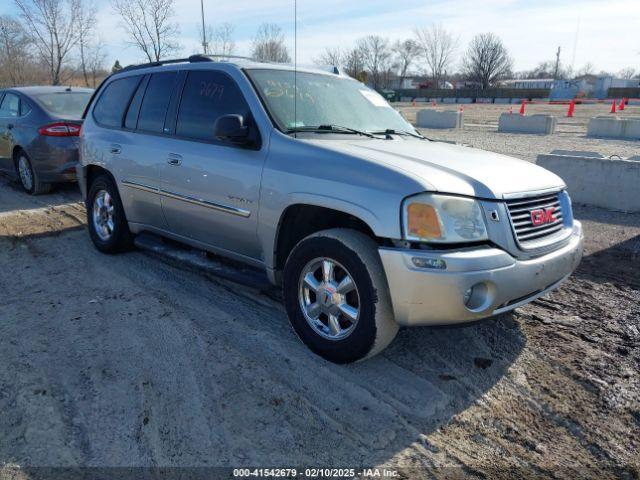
(64, 103)
(325, 100)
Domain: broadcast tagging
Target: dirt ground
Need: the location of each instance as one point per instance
(129, 361)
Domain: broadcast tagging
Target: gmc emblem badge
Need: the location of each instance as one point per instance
(543, 216)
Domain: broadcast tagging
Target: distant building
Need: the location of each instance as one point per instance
(570, 89)
(528, 83)
(603, 84)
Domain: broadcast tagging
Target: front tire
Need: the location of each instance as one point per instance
(29, 178)
(337, 297)
(107, 223)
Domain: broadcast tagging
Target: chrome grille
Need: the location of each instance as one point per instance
(521, 209)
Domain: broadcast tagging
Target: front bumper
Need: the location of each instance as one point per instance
(435, 297)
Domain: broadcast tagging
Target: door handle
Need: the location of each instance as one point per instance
(115, 149)
(174, 159)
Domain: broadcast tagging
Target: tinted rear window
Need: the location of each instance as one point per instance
(207, 95)
(64, 103)
(156, 101)
(114, 101)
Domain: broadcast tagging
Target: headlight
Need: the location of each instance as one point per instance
(443, 219)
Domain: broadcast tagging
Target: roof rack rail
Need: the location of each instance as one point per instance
(159, 63)
(214, 58)
(192, 59)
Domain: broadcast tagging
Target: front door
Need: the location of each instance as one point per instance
(210, 190)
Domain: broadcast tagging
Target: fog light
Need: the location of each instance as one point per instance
(467, 296)
(433, 263)
(479, 297)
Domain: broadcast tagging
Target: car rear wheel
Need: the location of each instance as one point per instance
(107, 223)
(29, 178)
(337, 297)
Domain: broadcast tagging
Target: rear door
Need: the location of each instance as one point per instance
(144, 148)
(210, 189)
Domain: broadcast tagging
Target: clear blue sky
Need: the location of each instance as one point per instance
(532, 30)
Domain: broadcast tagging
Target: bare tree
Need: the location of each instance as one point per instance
(223, 43)
(487, 60)
(85, 24)
(95, 60)
(15, 54)
(627, 73)
(546, 70)
(405, 53)
(269, 46)
(331, 56)
(437, 47)
(586, 70)
(52, 25)
(149, 25)
(354, 64)
(376, 56)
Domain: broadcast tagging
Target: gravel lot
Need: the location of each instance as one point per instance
(129, 361)
(481, 129)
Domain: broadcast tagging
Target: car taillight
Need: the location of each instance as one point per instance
(60, 129)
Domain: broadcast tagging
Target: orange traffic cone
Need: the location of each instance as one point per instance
(461, 109)
(572, 107)
(613, 107)
(621, 106)
(414, 102)
(433, 104)
(523, 107)
(510, 110)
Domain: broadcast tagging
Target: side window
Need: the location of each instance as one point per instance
(25, 107)
(113, 102)
(156, 101)
(208, 95)
(131, 120)
(10, 106)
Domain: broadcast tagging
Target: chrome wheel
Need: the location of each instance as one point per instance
(26, 176)
(103, 212)
(329, 298)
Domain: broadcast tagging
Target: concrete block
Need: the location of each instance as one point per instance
(542, 124)
(439, 119)
(502, 101)
(600, 182)
(449, 100)
(614, 127)
(577, 153)
(632, 128)
(465, 100)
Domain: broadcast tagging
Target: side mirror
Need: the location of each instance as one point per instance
(231, 128)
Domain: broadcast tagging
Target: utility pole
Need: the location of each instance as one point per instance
(555, 72)
(204, 31)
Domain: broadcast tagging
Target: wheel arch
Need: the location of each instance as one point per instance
(300, 220)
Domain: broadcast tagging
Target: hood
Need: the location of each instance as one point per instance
(450, 168)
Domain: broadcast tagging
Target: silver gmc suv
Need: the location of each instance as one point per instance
(313, 177)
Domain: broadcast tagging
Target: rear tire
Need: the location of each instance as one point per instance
(29, 178)
(340, 327)
(106, 220)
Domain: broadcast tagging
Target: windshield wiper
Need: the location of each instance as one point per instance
(391, 131)
(331, 128)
